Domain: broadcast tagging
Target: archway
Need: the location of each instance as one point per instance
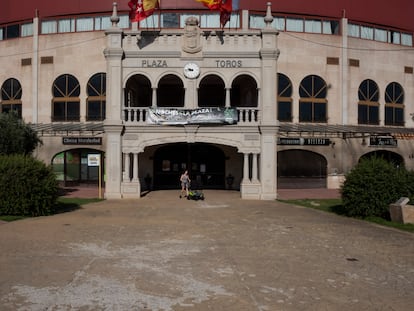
(204, 162)
(301, 169)
(389, 156)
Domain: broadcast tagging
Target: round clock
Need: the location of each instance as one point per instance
(191, 70)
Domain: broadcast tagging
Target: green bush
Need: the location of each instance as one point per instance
(27, 186)
(372, 185)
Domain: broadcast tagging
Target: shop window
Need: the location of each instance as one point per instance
(394, 104)
(11, 97)
(96, 101)
(65, 102)
(211, 92)
(284, 98)
(368, 104)
(313, 102)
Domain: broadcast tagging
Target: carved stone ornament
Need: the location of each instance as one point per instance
(191, 39)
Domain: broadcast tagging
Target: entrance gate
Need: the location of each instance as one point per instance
(205, 164)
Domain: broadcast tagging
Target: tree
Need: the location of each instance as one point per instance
(16, 137)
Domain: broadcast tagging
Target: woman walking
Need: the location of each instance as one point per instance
(185, 183)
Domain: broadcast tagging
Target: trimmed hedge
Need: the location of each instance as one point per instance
(27, 187)
(372, 185)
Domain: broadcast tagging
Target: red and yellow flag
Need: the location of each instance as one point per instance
(141, 9)
(224, 6)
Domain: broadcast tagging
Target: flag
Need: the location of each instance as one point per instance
(211, 4)
(224, 6)
(141, 9)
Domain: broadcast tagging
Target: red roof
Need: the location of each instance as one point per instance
(396, 13)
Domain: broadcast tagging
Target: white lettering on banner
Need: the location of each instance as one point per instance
(229, 63)
(157, 63)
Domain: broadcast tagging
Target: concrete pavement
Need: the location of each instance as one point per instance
(224, 253)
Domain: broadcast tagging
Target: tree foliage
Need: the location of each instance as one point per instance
(27, 186)
(372, 185)
(16, 137)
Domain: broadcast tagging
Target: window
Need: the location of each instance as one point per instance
(368, 105)
(138, 92)
(284, 98)
(170, 92)
(11, 97)
(170, 20)
(84, 24)
(312, 103)
(394, 104)
(65, 102)
(96, 101)
(67, 25)
(313, 26)
(294, 24)
(48, 27)
(212, 92)
(244, 92)
(27, 30)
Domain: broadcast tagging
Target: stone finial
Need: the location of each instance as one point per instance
(268, 18)
(115, 17)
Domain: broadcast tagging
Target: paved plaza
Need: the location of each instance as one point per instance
(223, 253)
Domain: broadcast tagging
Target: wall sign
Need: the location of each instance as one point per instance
(300, 141)
(82, 140)
(382, 141)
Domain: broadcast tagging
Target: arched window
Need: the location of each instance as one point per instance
(11, 96)
(65, 102)
(313, 103)
(212, 92)
(244, 92)
(394, 104)
(96, 101)
(138, 92)
(170, 92)
(284, 98)
(368, 104)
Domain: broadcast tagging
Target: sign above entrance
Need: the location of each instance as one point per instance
(82, 140)
(300, 141)
(383, 141)
(170, 116)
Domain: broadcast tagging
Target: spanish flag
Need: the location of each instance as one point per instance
(141, 9)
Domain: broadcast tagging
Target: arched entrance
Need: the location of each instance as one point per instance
(389, 156)
(205, 164)
(73, 168)
(301, 169)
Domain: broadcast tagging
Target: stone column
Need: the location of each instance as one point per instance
(135, 168)
(269, 125)
(127, 161)
(113, 124)
(255, 168)
(154, 97)
(246, 177)
(228, 97)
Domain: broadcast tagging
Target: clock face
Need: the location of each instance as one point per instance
(191, 70)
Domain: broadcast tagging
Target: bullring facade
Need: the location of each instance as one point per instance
(271, 100)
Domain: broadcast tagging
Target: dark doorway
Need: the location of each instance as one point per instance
(205, 164)
(389, 156)
(298, 169)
